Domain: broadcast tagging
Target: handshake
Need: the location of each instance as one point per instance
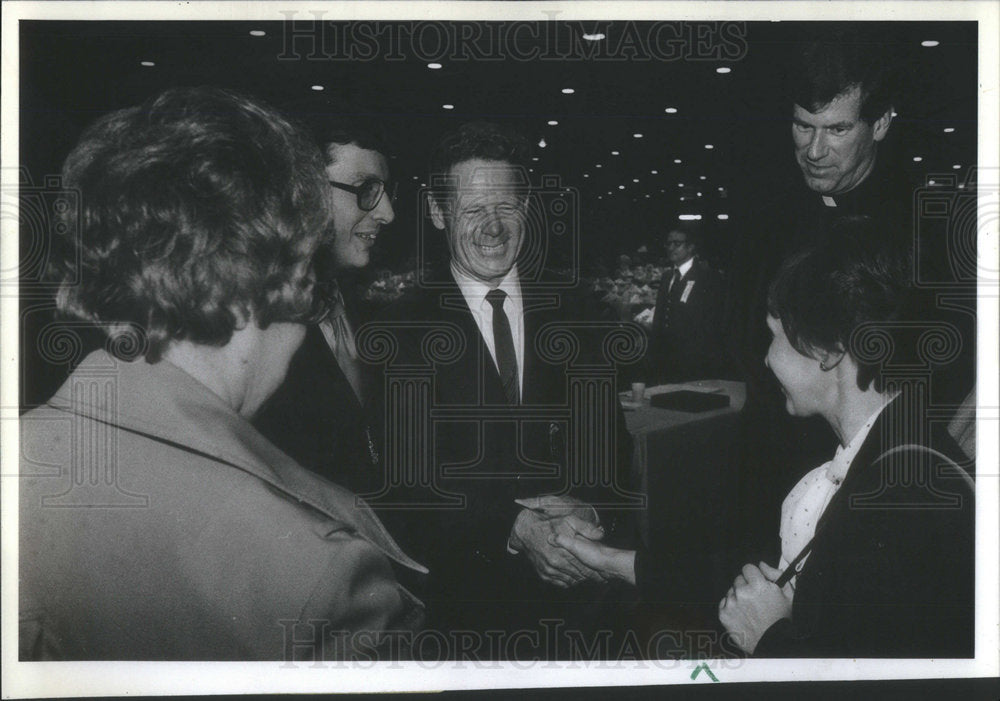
(561, 537)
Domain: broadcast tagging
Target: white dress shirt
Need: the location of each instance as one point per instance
(475, 292)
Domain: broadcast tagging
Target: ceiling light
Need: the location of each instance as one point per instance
(317, 88)
(535, 159)
(929, 43)
(598, 166)
(956, 167)
(931, 182)
(635, 180)
(257, 33)
(147, 64)
(949, 130)
(636, 136)
(434, 66)
(699, 194)
(615, 153)
(647, 197)
(553, 123)
(677, 161)
(702, 177)
(654, 172)
(917, 159)
(593, 37)
(671, 110)
(689, 217)
(709, 146)
(621, 187)
(586, 175)
(416, 177)
(541, 143)
(448, 107)
(680, 184)
(722, 217)
(723, 70)
(568, 91)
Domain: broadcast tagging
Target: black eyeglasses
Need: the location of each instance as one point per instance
(369, 193)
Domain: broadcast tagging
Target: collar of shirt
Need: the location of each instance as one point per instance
(686, 266)
(475, 292)
(837, 468)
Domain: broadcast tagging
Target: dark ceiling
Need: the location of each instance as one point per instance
(623, 84)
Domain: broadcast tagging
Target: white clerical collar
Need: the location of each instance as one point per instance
(829, 201)
(684, 267)
(475, 290)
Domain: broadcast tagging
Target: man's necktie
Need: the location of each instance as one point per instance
(341, 340)
(675, 280)
(503, 345)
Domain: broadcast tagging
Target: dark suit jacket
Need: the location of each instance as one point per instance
(485, 460)
(687, 330)
(316, 418)
(892, 569)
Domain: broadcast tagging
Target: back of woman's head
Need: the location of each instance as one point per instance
(855, 279)
(200, 210)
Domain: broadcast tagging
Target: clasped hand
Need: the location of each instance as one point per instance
(753, 604)
(539, 525)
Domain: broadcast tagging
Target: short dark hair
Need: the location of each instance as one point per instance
(693, 230)
(331, 122)
(827, 66)
(478, 140)
(854, 275)
(200, 208)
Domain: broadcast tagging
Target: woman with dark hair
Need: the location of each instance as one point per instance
(877, 545)
(155, 522)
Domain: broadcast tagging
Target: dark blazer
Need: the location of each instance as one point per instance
(157, 524)
(892, 569)
(317, 419)
(687, 329)
(484, 460)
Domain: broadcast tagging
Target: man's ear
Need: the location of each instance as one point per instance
(437, 212)
(881, 125)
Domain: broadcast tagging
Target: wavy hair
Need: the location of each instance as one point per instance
(201, 209)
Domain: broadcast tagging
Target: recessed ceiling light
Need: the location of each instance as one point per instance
(722, 189)
(317, 88)
(636, 136)
(600, 197)
(553, 123)
(948, 130)
(723, 69)
(699, 194)
(586, 175)
(917, 159)
(598, 166)
(931, 182)
(956, 167)
(702, 177)
(448, 107)
(147, 64)
(568, 91)
(677, 161)
(635, 180)
(671, 110)
(593, 37)
(535, 159)
(541, 143)
(415, 177)
(257, 33)
(689, 217)
(680, 184)
(929, 43)
(615, 153)
(709, 146)
(423, 184)
(621, 187)
(647, 197)
(723, 217)
(434, 66)
(654, 172)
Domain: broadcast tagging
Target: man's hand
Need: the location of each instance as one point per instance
(534, 534)
(754, 603)
(610, 562)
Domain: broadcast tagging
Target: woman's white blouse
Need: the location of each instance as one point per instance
(809, 498)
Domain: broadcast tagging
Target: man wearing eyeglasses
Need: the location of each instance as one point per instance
(320, 414)
(687, 324)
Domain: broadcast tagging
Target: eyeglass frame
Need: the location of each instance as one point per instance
(356, 190)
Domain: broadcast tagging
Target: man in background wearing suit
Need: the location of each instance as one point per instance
(504, 390)
(319, 415)
(687, 323)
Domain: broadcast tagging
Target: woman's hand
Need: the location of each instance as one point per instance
(754, 603)
(610, 562)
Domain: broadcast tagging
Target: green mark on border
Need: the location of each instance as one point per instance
(700, 667)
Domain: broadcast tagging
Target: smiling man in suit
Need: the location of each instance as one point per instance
(320, 414)
(502, 427)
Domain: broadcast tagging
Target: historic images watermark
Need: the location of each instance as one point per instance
(314, 36)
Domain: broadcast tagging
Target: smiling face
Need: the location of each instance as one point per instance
(355, 230)
(484, 219)
(834, 147)
(802, 381)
